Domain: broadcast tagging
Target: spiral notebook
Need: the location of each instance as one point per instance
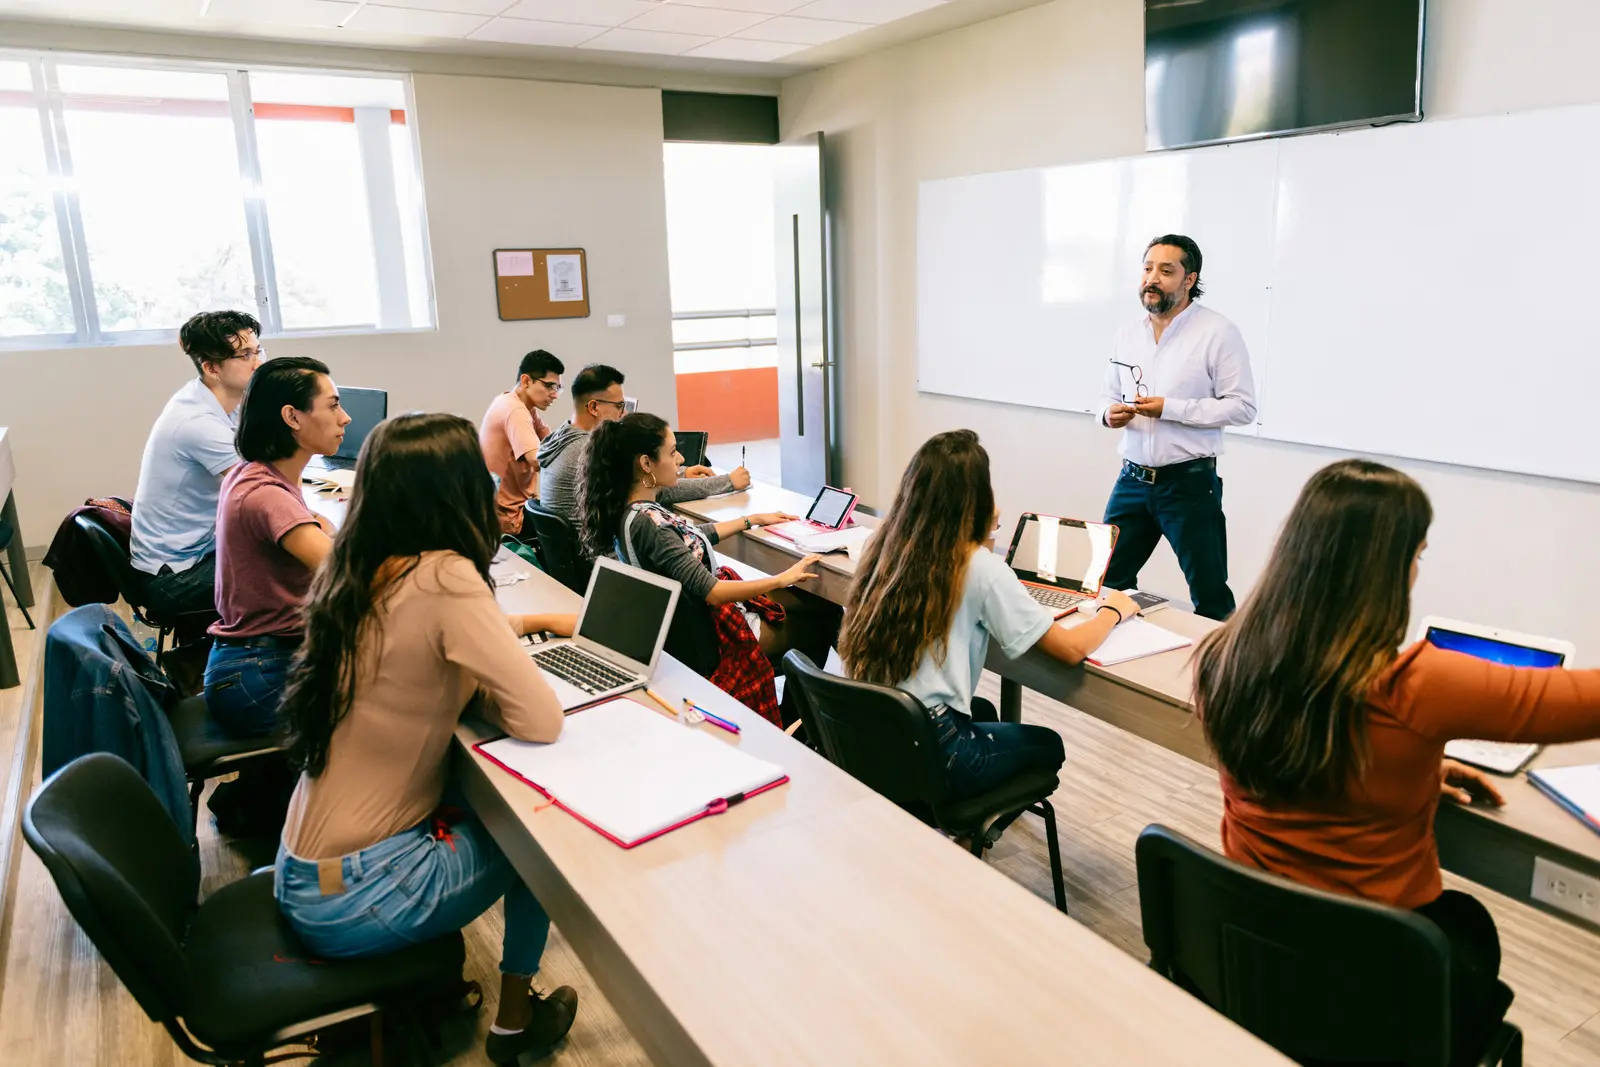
(632, 774)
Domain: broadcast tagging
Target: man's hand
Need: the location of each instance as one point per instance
(1150, 406)
(740, 478)
(698, 471)
(1119, 415)
(1463, 784)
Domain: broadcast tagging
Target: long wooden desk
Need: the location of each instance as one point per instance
(820, 924)
(17, 557)
(1154, 699)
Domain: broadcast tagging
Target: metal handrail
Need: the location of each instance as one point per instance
(759, 313)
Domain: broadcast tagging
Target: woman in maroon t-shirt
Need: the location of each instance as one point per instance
(268, 542)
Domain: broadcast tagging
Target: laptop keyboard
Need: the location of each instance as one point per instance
(577, 667)
(1059, 599)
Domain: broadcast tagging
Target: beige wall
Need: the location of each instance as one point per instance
(1064, 82)
(505, 162)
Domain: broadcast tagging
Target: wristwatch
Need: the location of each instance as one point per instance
(748, 525)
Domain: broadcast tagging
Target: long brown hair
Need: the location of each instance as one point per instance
(1281, 688)
(908, 584)
(420, 486)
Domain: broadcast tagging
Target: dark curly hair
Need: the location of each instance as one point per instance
(208, 336)
(609, 467)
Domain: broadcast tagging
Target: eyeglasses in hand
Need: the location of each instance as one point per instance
(1140, 391)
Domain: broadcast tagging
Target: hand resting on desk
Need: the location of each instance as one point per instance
(1464, 784)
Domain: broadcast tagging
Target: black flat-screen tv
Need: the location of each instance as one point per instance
(1231, 70)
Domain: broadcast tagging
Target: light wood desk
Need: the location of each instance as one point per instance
(819, 924)
(17, 558)
(1154, 699)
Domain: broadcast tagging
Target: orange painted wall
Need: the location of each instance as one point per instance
(730, 405)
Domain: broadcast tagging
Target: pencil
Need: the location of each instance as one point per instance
(653, 695)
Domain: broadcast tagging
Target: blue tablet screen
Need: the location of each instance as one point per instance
(1496, 651)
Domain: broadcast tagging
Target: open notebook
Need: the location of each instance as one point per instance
(633, 774)
(1136, 639)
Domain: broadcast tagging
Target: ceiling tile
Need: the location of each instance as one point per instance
(668, 44)
(525, 31)
(585, 12)
(279, 12)
(753, 51)
(464, 7)
(413, 23)
(873, 11)
(791, 30)
(702, 20)
(764, 7)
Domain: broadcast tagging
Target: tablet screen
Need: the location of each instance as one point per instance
(1495, 651)
(831, 507)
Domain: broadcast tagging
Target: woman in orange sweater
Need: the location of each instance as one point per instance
(1331, 740)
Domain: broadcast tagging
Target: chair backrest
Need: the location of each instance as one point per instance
(112, 558)
(559, 550)
(878, 734)
(1316, 975)
(123, 871)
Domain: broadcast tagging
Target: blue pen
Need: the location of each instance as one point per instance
(717, 720)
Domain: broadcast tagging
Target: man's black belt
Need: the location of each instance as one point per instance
(1149, 475)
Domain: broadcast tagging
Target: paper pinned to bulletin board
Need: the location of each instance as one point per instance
(541, 283)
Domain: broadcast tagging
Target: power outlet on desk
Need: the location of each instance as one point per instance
(1571, 892)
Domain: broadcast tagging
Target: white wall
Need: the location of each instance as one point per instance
(1062, 83)
(505, 163)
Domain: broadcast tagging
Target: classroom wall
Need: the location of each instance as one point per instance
(505, 162)
(1062, 83)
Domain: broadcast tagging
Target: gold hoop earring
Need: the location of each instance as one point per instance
(651, 484)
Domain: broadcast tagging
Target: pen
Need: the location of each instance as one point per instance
(715, 720)
(741, 455)
(653, 695)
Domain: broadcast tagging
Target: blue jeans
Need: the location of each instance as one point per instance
(409, 888)
(244, 687)
(1185, 507)
(980, 756)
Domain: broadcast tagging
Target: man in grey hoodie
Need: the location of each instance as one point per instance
(596, 398)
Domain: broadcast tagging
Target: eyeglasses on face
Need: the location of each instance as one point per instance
(553, 386)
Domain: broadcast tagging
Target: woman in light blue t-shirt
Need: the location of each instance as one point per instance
(927, 597)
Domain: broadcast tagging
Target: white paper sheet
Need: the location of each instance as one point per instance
(1049, 548)
(1579, 785)
(566, 278)
(633, 772)
(1136, 639)
(513, 264)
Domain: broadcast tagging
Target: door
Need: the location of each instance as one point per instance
(807, 384)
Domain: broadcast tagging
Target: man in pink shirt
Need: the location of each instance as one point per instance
(511, 431)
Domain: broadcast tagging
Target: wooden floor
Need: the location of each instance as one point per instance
(60, 1004)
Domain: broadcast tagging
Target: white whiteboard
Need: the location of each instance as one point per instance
(1416, 291)
(1024, 277)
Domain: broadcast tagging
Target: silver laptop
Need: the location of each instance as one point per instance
(626, 615)
(1497, 646)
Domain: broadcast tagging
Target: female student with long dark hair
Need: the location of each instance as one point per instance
(628, 462)
(927, 596)
(403, 634)
(1331, 740)
(268, 541)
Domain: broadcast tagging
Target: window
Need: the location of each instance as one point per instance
(183, 187)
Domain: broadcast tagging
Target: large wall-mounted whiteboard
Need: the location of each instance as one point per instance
(1413, 291)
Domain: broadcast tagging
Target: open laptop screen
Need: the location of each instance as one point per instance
(624, 614)
(1082, 552)
(1512, 655)
(366, 408)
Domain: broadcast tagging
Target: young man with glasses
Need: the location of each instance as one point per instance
(190, 448)
(597, 397)
(1178, 375)
(511, 431)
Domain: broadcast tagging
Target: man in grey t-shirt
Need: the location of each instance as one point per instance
(597, 397)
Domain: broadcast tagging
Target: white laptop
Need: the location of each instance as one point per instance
(626, 615)
(1500, 646)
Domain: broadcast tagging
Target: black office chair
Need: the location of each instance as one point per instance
(559, 550)
(239, 982)
(208, 751)
(6, 533)
(1321, 977)
(120, 568)
(885, 738)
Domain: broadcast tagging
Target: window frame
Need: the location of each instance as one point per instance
(50, 107)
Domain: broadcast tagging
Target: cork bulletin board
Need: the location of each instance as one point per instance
(541, 283)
